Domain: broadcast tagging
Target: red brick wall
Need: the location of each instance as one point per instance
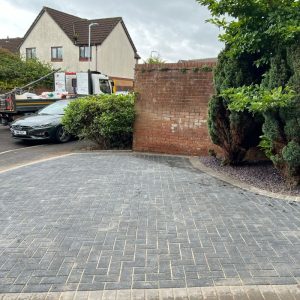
(172, 108)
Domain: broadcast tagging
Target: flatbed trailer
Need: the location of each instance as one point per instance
(12, 106)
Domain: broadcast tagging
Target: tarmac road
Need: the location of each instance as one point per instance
(15, 152)
(7, 143)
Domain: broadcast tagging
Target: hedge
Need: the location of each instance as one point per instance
(104, 119)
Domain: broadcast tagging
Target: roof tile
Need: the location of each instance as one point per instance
(98, 33)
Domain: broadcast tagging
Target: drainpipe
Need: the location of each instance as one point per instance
(96, 58)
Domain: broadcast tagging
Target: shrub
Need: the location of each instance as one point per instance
(282, 130)
(259, 73)
(282, 124)
(293, 58)
(280, 108)
(232, 72)
(279, 71)
(257, 99)
(291, 154)
(234, 132)
(104, 119)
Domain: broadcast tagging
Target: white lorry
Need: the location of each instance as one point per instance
(81, 83)
(67, 85)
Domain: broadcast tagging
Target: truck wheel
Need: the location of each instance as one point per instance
(3, 121)
(61, 136)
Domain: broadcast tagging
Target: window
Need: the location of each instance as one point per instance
(104, 86)
(56, 54)
(84, 53)
(30, 53)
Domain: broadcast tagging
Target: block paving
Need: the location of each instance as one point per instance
(120, 221)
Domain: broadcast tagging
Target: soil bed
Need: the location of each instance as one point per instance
(260, 174)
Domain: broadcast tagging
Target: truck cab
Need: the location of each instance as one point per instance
(101, 84)
(83, 83)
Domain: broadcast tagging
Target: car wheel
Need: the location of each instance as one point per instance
(61, 136)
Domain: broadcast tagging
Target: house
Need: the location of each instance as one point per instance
(62, 40)
(11, 44)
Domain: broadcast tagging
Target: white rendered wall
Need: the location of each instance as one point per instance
(46, 34)
(116, 55)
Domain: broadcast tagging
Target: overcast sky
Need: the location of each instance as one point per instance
(174, 28)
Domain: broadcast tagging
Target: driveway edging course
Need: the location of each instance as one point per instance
(257, 292)
(200, 166)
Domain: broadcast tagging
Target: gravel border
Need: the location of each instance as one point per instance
(260, 174)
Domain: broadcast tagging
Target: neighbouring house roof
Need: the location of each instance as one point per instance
(11, 44)
(204, 60)
(76, 28)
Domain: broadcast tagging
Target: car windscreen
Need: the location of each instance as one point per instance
(56, 108)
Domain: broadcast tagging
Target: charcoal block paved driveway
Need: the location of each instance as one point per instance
(92, 221)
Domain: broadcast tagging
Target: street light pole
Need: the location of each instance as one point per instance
(154, 51)
(90, 54)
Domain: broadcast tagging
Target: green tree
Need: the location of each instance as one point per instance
(154, 60)
(277, 98)
(234, 131)
(15, 72)
(255, 26)
(258, 75)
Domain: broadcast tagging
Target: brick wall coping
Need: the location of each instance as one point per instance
(174, 66)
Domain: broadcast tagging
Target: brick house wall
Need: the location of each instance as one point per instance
(171, 108)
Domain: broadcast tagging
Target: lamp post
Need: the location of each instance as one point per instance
(153, 51)
(90, 54)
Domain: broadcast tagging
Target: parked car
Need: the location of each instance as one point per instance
(45, 125)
